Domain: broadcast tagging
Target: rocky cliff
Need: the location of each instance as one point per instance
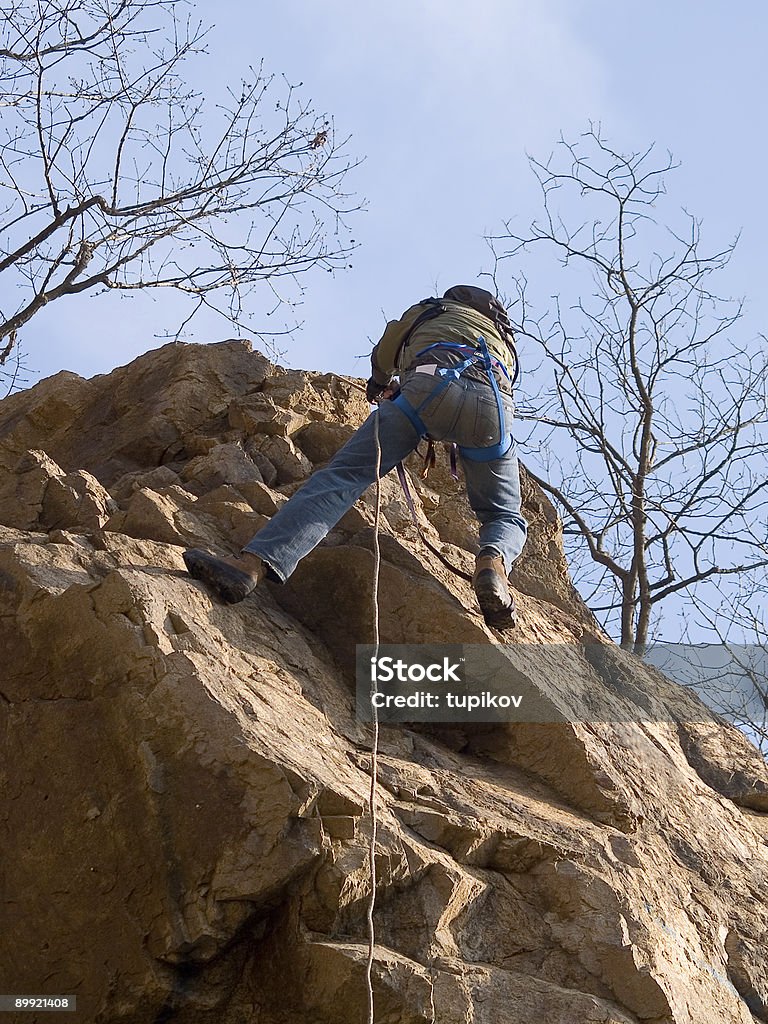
(184, 789)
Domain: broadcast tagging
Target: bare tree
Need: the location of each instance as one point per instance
(652, 429)
(731, 671)
(117, 174)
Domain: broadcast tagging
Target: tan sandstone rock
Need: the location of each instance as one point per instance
(184, 798)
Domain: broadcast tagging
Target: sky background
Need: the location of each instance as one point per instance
(443, 102)
(444, 105)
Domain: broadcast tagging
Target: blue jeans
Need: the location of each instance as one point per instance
(493, 489)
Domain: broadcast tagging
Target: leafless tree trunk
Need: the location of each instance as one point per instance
(652, 429)
(117, 174)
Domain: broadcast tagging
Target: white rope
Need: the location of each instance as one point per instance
(375, 719)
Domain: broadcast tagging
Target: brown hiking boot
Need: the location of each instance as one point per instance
(231, 579)
(492, 589)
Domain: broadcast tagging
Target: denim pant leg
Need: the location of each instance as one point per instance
(296, 528)
(493, 489)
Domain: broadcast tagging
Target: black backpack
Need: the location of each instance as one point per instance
(478, 299)
(485, 303)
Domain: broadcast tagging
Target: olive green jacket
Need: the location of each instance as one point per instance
(458, 324)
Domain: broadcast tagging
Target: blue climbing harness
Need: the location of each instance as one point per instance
(452, 373)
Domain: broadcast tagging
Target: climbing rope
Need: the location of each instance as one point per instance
(429, 461)
(375, 719)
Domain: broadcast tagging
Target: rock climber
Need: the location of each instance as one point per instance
(456, 363)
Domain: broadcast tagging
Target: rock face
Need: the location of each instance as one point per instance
(185, 826)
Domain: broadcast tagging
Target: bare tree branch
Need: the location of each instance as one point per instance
(659, 415)
(116, 174)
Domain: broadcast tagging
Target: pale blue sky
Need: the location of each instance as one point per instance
(444, 104)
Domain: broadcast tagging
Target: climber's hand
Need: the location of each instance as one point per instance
(375, 392)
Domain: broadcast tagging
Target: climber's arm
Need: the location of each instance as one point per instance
(384, 357)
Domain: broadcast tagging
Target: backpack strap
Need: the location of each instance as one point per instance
(434, 307)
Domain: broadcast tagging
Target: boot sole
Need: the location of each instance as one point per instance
(497, 612)
(504, 620)
(228, 583)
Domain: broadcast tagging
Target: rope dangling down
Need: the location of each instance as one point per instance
(375, 718)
